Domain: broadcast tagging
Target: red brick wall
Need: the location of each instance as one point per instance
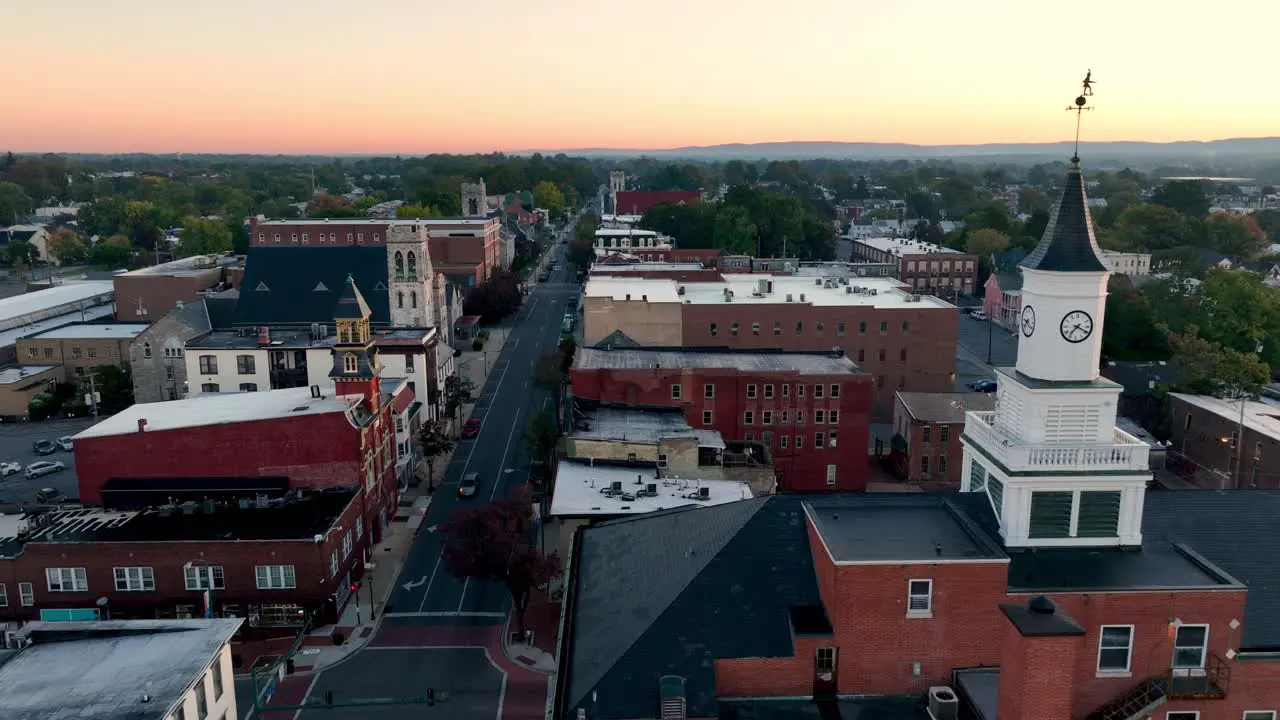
(158, 294)
(799, 470)
(1036, 677)
(321, 450)
(265, 234)
(929, 344)
(934, 449)
(772, 677)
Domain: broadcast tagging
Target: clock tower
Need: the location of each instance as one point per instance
(1056, 469)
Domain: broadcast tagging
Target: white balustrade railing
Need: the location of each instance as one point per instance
(1126, 453)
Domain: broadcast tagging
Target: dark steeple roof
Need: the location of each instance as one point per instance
(351, 304)
(1068, 244)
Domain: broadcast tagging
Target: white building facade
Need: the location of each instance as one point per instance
(1056, 469)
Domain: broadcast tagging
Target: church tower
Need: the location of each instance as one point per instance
(410, 275)
(1056, 469)
(475, 202)
(356, 368)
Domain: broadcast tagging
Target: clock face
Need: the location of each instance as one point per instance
(1077, 326)
(1028, 320)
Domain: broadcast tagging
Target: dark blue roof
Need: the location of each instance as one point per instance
(667, 593)
(302, 285)
(1068, 244)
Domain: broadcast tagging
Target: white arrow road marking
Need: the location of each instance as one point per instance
(409, 586)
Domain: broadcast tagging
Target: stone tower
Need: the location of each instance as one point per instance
(617, 183)
(474, 199)
(410, 276)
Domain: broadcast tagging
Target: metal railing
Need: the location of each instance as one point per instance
(1125, 453)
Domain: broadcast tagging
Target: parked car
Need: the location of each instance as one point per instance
(471, 428)
(566, 323)
(44, 447)
(469, 485)
(977, 315)
(64, 443)
(10, 468)
(48, 495)
(983, 386)
(40, 468)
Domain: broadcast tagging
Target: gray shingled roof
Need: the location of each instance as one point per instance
(1068, 244)
(301, 285)
(351, 304)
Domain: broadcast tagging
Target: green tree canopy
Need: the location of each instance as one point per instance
(1207, 368)
(113, 252)
(985, 241)
(734, 232)
(201, 236)
(15, 203)
(1148, 227)
(1236, 236)
(417, 211)
(1185, 196)
(547, 195)
(68, 247)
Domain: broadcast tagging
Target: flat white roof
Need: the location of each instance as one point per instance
(578, 485)
(888, 292)
(186, 266)
(624, 232)
(11, 375)
(378, 221)
(98, 312)
(92, 331)
(605, 268)
(618, 288)
(65, 294)
(219, 409)
(904, 246)
(621, 218)
(1260, 417)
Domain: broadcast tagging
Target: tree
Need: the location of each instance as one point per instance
(1184, 196)
(434, 441)
(1130, 330)
(114, 252)
(68, 247)
(984, 241)
(1236, 236)
(143, 223)
(457, 392)
(15, 203)
(492, 542)
(331, 206)
(20, 252)
(734, 232)
(1209, 369)
(115, 388)
(549, 374)
(1032, 200)
(204, 237)
(417, 211)
(581, 253)
(495, 298)
(547, 195)
(1148, 227)
(542, 436)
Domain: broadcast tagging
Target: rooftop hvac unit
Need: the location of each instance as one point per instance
(704, 493)
(616, 486)
(680, 290)
(848, 290)
(788, 297)
(943, 703)
(801, 297)
(872, 291)
(817, 281)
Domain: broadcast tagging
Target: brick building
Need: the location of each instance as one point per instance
(80, 347)
(636, 202)
(147, 294)
(157, 354)
(904, 341)
(811, 411)
(1206, 443)
(923, 266)
(927, 428)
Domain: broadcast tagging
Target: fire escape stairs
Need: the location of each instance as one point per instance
(1137, 702)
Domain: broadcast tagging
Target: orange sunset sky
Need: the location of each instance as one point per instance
(415, 76)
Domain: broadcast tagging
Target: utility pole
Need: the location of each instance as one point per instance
(93, 393)
(1239, 443)
(990, 321)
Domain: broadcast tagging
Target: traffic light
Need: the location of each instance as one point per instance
(355, 587)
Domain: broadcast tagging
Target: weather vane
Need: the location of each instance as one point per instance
(1081, 105)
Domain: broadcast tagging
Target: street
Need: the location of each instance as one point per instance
(15, 446)
(437, 630)
(971, 351)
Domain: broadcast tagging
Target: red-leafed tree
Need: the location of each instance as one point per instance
(494, 542)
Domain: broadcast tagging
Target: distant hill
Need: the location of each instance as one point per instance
(1254, 148)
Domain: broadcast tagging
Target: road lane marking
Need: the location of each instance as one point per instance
(462, 598)
(452, 614)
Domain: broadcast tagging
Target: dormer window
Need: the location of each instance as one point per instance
(349, 363)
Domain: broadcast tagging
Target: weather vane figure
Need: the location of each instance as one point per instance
(1081, 105)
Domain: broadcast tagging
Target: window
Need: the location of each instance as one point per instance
(748, 418)
(799, 327)
(924, 464)
(333, 564)
(977, 478)
(208, 365)
(349, 363)
(709, 391)
(1050, 514)
(882, 355)
(248, 387)
(831, 439)
(755, 328)
(799, 441)
(293, 237)
(733, 329)
(400, 299)
(840, 328)
(799, 417)
(1189, 643)
(32, 353)
(197, 577)
(942, 464)
(348, 238)
(751, 392)
(1183, 715)
(835, 391)
(926, 433)
(786, 391)
(275, 577)
(818, 327)
(817, 391)
(825, 660)
(92, 352)
(768, 392)
(277, 237)
(902, 355)
(831, 474)
(706, 417)
(146, 350)
(884, 327)
(819, 440)
(786, 417)
(359, 237)
(712, 330)
(799, 391)
(360, 527)
(306, 238)
(26, 594)
(662, 460)
(862, 355)
(944, 433)
(245, 365)
(210, 388)
(767, 438)
(1259, 715)
(217, 679)
(276, 615)
(675, 392)
(75, 353)
(348, 540)
(202, 703)
(332, 237)
(906, 327)
(4, 596)
(766, 417)
(375, 237)
(919, 597)
(782, 441)
(833, 417)
(67, 579)
(135, 579)
(777, 328)
(819, 416)
(262, 237)
(79, 372)
(1115, 646)
(862, 328)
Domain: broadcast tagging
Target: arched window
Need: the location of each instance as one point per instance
(400, 299)
(146, 350)
(399, 265)
(413, 298)
(413, 266)
(349, 363)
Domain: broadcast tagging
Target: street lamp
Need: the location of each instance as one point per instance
(207, 578)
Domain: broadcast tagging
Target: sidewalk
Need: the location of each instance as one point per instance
(542, 618)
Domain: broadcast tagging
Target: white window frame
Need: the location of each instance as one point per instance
(348, 543)
(134, 579)
(333, 564)
(277, 577)
(1182, 715)
(1128, 657)
(707, 417)
(4, 596)
(196, 577)
(26, 594)
(913, 597)
(76, 577)
(675, 391)
(751, 391)
(1258, 715)
(708, 391)
(1204, 648)
(831, 474)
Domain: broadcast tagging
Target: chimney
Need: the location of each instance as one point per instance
(142, 424)
(1037, 661)
(264, 335)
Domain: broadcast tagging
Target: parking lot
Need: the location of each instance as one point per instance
(15, 446)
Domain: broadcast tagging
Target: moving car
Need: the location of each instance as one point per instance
(471, 428)
(44, 447)
(983, 386)
(46, 495)
(44, 467)
(566, 324)
(10, 468)
(64, 443)
(469, 485)
(977, 315)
